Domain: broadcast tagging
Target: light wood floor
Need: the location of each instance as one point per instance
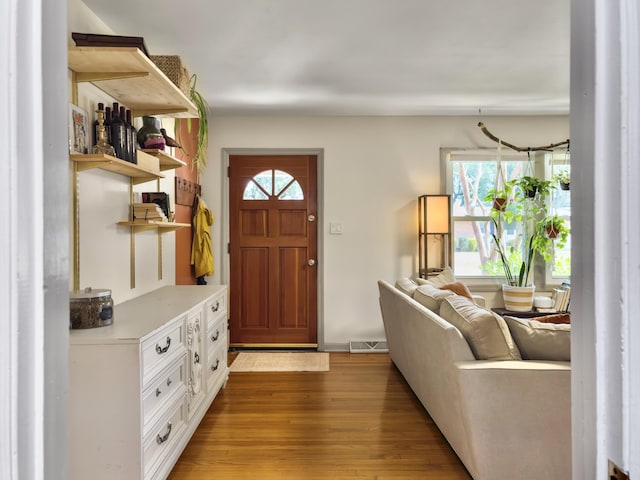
(358, 421)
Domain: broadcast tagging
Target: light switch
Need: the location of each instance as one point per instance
(335, 228)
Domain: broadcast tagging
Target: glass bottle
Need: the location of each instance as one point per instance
(118, 133)
(107, 124)
(94, 131)
(127, 134)
(133, 138)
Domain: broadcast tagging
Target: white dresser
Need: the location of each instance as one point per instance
(140, 387)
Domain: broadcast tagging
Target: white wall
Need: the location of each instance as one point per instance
(373, 170)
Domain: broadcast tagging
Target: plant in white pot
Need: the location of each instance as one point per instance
(526, 217)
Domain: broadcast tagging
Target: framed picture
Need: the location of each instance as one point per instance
(79, 135)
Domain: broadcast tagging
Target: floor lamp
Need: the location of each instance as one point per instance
(434, 229)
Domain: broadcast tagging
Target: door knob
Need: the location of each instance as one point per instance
(311, 262)
(311, 218)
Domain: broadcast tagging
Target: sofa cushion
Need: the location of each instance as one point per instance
(458, 288)
(444, 277)
(406, 285)
(430, 296)
(485, 331)
(541, 341)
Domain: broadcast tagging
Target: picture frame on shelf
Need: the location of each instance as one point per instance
(79, 134)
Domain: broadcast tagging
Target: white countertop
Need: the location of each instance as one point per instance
(137, 318)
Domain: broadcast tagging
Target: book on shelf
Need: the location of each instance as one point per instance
(151, 212)
(159, 198)
(546, 310)
(562, 296)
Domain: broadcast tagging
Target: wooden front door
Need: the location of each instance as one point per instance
(273, 250)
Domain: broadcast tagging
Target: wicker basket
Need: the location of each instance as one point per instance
(172, 67)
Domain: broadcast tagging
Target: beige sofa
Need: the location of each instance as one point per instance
(506, 419)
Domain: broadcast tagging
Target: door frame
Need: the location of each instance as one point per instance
(224, 264)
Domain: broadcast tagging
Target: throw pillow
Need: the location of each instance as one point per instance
(555, 318)
(407, 286)
(485, 331)
(431, 297)
(541, 341)
(458, 288)
(444, 277)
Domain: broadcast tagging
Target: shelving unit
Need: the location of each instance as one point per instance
(115, 165)
(132, 79)
(162, 227)
(130, 76)
(167, 161)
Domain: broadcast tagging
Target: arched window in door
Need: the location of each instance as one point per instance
(273, 184)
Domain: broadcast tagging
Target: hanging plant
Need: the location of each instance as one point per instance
(532, 186)
(505, 199)
(562, 177)
(199, 160)
(555, 227)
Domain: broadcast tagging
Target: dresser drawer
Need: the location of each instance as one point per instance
(167, 385)
(216, 333)
(216, 307)
(163, 435)
(216, 366)
(162, 348)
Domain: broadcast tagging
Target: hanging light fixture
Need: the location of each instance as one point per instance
(434, 228)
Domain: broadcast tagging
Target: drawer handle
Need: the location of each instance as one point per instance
(217, 306)
(215, 367)
(158, 392)
(215, 337)
(160, 350)
(165, 437)
(168, 382)
(196, 358)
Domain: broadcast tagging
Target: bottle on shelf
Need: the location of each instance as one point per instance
(118, 133)
(133, 138)
(94, 130)
(127, 134)
(107, 124)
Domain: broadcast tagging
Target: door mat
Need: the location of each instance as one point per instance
(281, 362)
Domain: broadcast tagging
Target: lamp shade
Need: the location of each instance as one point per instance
(437, 214)
(434, 230)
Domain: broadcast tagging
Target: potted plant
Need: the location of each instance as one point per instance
(530, 215)
(555, 228)
(199, 160)
(502, 197)
(563, 178)
(532, 186)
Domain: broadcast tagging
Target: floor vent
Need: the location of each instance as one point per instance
(368, 347)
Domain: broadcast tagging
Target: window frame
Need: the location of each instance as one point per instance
(542, 164)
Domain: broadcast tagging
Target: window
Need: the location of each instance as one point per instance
(273, 183)
(555, 165)
(470, 176)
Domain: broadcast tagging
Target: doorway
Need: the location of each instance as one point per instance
(273, 238)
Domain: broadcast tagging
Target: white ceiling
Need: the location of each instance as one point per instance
(361, 57)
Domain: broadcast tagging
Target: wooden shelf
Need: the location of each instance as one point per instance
(113, 164)
(129, 76)
(162, 227)
(167, 162)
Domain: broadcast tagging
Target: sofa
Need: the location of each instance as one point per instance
(500, 394)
